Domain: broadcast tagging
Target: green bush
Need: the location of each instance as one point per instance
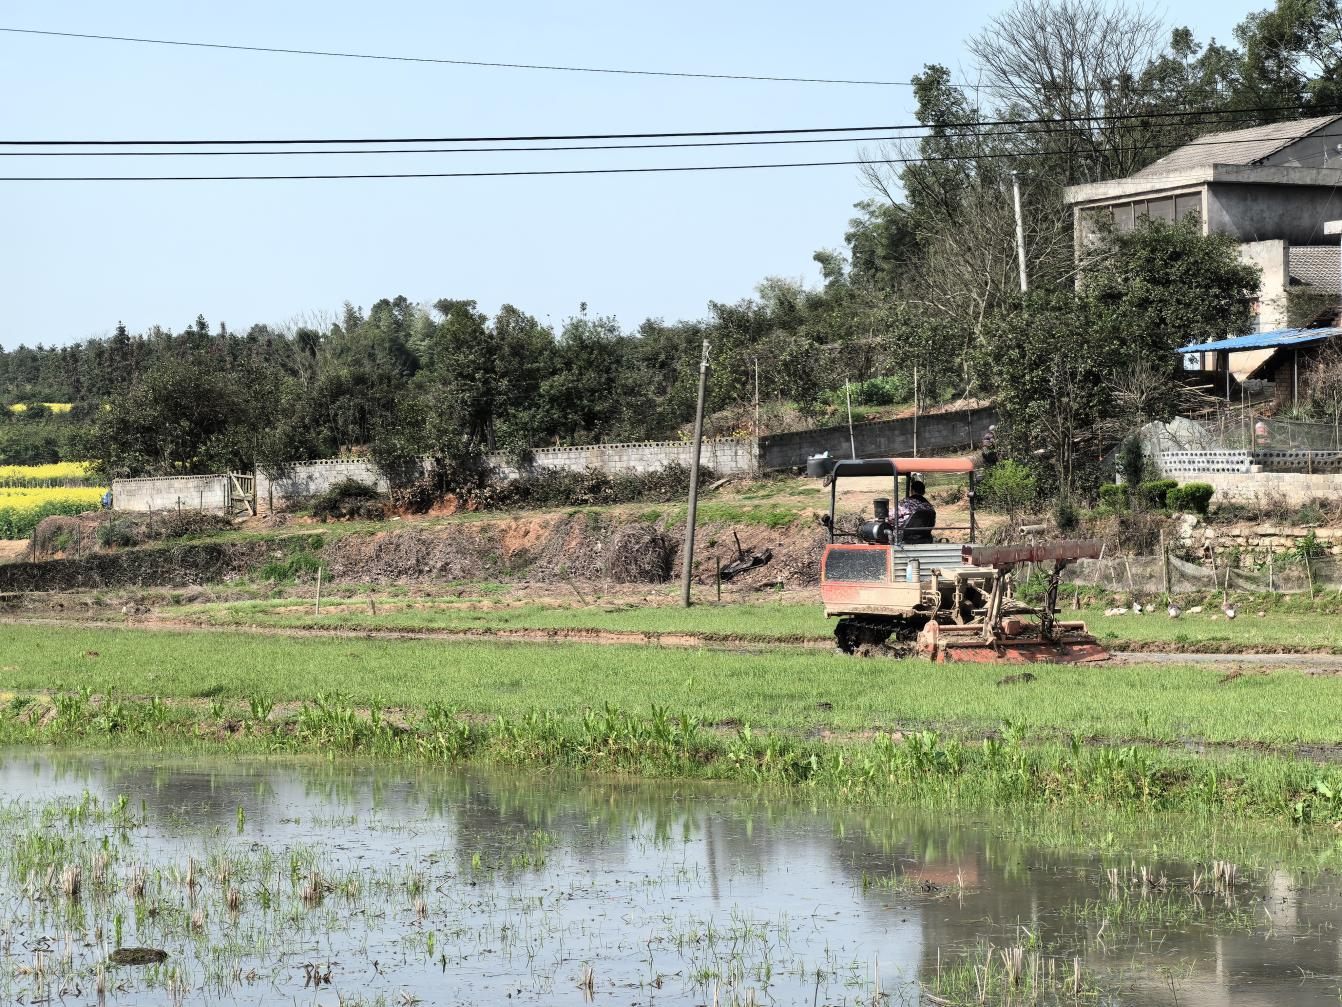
(1008, 486)
(1065, 515)
(1155, 493)
(1191, 498)
(118, 533)
(1131, 460)
(1114, 497)
(887, 391)
(347, 499)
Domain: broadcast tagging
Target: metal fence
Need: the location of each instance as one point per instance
(1296, 435)
(1143, 576)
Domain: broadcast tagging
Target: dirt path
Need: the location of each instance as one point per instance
(598, 636)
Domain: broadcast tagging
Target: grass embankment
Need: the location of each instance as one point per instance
(898, 729)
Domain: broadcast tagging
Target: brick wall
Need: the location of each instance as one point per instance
(725, 456)
(304, 479)
(939, 432)
(207, 493)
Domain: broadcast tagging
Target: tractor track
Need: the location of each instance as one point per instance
(554, 636)
(1326, 663)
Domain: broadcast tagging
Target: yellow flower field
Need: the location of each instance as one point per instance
(22, 509)
(43, 475)
(55, 407)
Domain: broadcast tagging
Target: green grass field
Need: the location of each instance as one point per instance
(794, 691)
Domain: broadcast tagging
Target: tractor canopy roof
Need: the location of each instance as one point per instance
(899, 466)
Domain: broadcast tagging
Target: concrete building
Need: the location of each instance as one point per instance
(1269, 187)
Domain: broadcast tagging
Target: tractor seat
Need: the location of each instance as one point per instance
(918, 530)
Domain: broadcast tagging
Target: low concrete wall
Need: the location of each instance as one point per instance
(1172, 464)
(1262, 487)
(938, 432)
(1182, 463)
(163, 493)
(304, 479)
(725, 456)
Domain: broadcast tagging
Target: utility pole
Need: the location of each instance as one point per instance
(1020, 232)
(757, 397)
(687, 566)
(848, 397)
(915, 410)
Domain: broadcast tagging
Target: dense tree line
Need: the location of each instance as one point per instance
(927, 284)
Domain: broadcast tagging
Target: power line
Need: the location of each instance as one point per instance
(499, 65)
(539, 138)
(491, 64)
(996, 134)
(587, 171)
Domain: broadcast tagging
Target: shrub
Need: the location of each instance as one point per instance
(180, 524)
(347, 499)
(1131, 460)
(1191, 498)
(1008, 486)
(1154, 493)
(118, 533)
(1114, 498)
(568, 488)
(1065, 515)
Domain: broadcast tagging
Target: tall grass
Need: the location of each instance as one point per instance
(921, 767)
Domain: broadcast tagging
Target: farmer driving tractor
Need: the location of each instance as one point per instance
(915, 515)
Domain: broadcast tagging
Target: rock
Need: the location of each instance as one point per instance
(138, 956)
(1021, 679)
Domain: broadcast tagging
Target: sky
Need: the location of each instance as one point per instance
(78, 257)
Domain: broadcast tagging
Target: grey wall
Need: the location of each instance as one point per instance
(725, 456)
(209, 493)
(1294, 213)
(303, 479)
(1266, 488)
(962, 429)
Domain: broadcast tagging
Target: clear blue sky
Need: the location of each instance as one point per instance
(77, 257)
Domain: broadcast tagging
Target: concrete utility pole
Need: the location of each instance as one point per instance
(1020, 232)
(848, 397)
(687, 566)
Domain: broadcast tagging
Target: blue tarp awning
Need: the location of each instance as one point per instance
(1265, 340)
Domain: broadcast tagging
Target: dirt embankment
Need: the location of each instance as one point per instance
(587, 547)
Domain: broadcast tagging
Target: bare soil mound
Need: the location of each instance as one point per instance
(585, 547)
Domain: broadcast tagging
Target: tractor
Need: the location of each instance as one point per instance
(913, 587)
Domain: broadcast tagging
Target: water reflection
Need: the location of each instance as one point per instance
(664, 889)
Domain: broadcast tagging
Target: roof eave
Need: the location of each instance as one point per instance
(1099, 193)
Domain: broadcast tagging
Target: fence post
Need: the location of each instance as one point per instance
(1164, 564)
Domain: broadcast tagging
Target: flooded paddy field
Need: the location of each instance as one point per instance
(359, 882)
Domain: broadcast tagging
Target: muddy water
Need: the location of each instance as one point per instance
(312, 883)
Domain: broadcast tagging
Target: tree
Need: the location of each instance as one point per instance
(187, 417)
(1062, 364)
